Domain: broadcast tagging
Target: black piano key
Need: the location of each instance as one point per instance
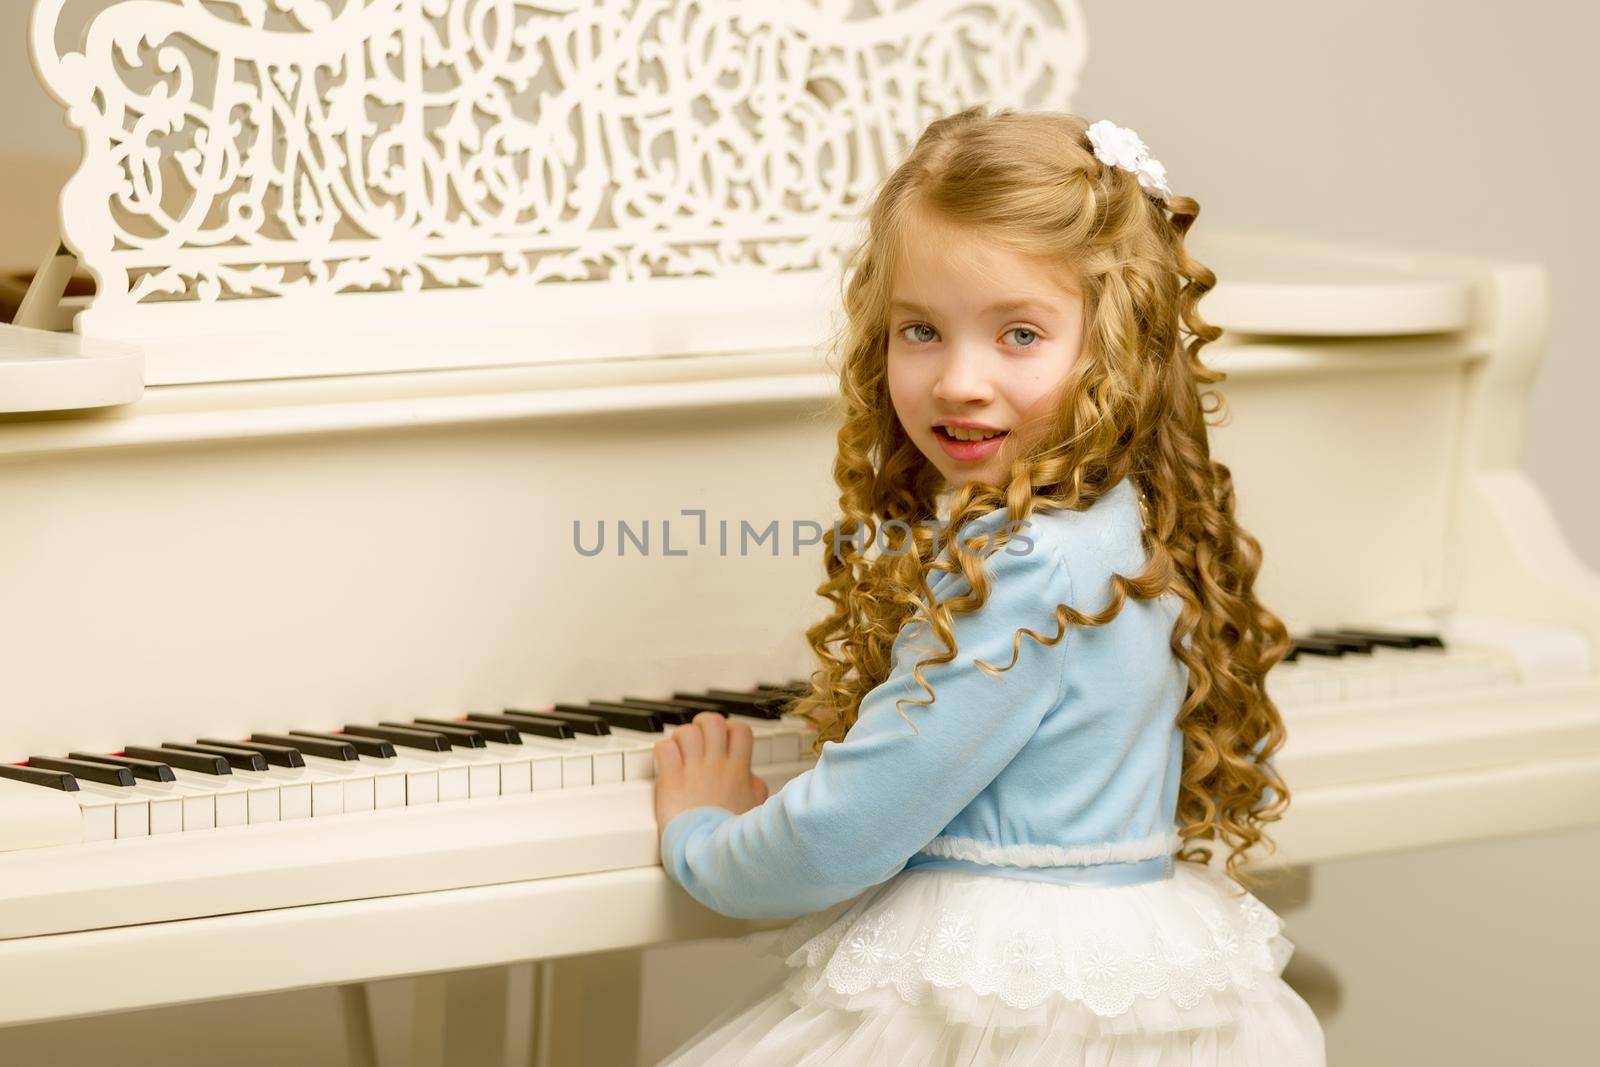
(694, 707)
(505, 735)
(359, 745)
(190, 761)
(458, 737)
(400, 737)
(795, 688)
(773, 703)
(240, 759)
(149, 770)
(616, 715)
(751, 706)
(61, 780)
(1393, 639)
(531, 725)
(580, 722)
(1315, 646)
(1345, 644)
(105, 773)
(669, 716)
(277, 755)
(325, 745)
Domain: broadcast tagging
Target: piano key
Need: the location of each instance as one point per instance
(772, 741)
(149, 770)
(86, 770)
(775, 741)
(526, 725)
(617, 713)
(40, 776)
(130, 811)
(545, 761)
(1359, 645)
(372, 784)
(695, 706)
(505, 735)
(165, 807)
(581, 722)
(99, 813)
(458, 736)
(772, 704)
(576, 752)
(196, 806)
(1415, 640)
(794, 688)
(199, 762)
(1314, 646)
(230, 800)
(417, 738)
(324, 746)
(276, 755)
(752, 706)
(240, 759)
(396, 781)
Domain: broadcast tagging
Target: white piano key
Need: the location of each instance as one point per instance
(262, 800)
(434, 776)
(130, 812)
(576, 762)
(408, 778)
(165, 800)
(347, 786)
(515, 765)
(638, 752)
(99, 815)
(229, 797)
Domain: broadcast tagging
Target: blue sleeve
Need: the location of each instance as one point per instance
(872, 800)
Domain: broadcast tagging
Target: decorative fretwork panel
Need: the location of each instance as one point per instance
(240, 151)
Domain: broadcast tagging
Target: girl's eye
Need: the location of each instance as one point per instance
(915, 331)
(1026, 338)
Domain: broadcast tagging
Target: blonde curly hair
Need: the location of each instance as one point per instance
(1132, 406)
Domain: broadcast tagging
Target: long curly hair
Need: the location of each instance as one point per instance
(1132, 406)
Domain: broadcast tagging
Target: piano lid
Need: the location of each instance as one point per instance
(1282, 286)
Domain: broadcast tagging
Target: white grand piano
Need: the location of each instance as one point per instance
(399, 308)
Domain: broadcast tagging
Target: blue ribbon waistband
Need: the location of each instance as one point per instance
(1155, 869)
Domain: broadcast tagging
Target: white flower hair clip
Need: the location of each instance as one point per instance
(1119, 146)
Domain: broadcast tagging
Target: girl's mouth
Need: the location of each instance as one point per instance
(968, 451)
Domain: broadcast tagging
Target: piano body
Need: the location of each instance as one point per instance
(366, 374)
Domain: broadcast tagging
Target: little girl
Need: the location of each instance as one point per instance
(1020, 725)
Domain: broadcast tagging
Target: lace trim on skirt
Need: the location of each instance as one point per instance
(1191, 951)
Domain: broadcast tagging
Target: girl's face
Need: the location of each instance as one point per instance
(980, 337)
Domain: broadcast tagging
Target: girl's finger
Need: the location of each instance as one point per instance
(741, 740)
(669, 761)
(691, 743)
(714, 731)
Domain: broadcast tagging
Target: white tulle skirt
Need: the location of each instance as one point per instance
(945, 967)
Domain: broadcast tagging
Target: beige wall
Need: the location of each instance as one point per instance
(1459, 127)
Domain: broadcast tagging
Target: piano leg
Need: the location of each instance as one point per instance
(359, 1048)
(586, 1009)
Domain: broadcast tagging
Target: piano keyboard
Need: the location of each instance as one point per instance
(1340, 666)
(209, 782)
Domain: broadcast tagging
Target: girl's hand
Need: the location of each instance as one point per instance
(706, 762)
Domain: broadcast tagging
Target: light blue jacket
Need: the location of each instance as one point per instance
(1071, 757)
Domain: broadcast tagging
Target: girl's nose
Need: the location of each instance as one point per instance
(964, 378)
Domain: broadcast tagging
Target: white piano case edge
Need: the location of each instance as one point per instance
(364, 402)
(41, 370)
(61, 975)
